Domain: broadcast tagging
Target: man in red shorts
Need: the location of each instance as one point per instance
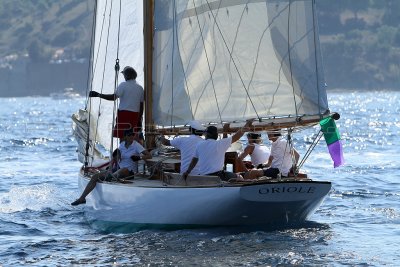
(130, 109)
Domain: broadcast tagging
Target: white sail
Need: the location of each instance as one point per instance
(213, 61)
(232, 60)
(118, 34)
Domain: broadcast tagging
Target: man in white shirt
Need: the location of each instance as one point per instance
(281, 154)
(126, 156)
(210, 154)
(130, 109)
(280, 161)
(187, 145)
(259, 153)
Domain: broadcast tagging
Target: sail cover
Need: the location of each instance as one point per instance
(231, 60)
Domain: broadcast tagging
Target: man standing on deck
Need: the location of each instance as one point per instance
(130, 110)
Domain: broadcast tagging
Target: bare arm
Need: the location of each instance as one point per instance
(146, 155)
(165, 141)
(190, 168)
(269, 162)
(116, 156)
(241, 131)
(296, 156)
(143, 155)
(141, 110)
(247, 151)
(110, 97)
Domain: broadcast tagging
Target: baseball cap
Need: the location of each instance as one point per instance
(129, 72)
(196, 125)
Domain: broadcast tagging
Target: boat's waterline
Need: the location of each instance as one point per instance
(256, 204)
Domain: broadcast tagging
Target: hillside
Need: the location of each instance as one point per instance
(360, 42)
(41, 27)
(360, 39)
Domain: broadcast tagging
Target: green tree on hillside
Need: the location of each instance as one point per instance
(38, 52)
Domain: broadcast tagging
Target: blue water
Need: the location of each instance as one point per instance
(357, 225)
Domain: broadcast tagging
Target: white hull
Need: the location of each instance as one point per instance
(242, 205)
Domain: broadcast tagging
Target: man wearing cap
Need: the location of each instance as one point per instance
(187, 145)
(210, 154)
(126, 156)
(131, 96)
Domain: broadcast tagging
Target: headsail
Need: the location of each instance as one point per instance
(118, 34)
(224, 60)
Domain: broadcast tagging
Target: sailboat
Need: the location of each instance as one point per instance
(217, 62)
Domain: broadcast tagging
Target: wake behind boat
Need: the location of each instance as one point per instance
(216, 62)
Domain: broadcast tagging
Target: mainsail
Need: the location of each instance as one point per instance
(224, 61)
(212, 60)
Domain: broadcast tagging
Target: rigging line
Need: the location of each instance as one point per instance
(281, 65)
(246, 8)
(273, 19)
(97, 54)
(234, 62)
(256, 62)
(119, 28)
(100, 39)
(310, 149)
(192, 107)
(89, 82)
(184, 72)
(289, 144)
(105, 63)
(202, 91)
(172, 60)
(116, 68)
(294, 163)
(291, 149)
(96, 61)
(208, 62)
(290, 57)
(281, 61)
(316, 56)
(115, 106)
(284, 152)
(89, 73)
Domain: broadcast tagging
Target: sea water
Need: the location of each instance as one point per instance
(357, 225)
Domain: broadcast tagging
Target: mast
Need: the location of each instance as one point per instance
(148, 26)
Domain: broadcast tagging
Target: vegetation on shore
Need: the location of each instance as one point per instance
(360, 42)
(360, 39)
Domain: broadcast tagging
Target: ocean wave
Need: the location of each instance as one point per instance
(32, 197)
